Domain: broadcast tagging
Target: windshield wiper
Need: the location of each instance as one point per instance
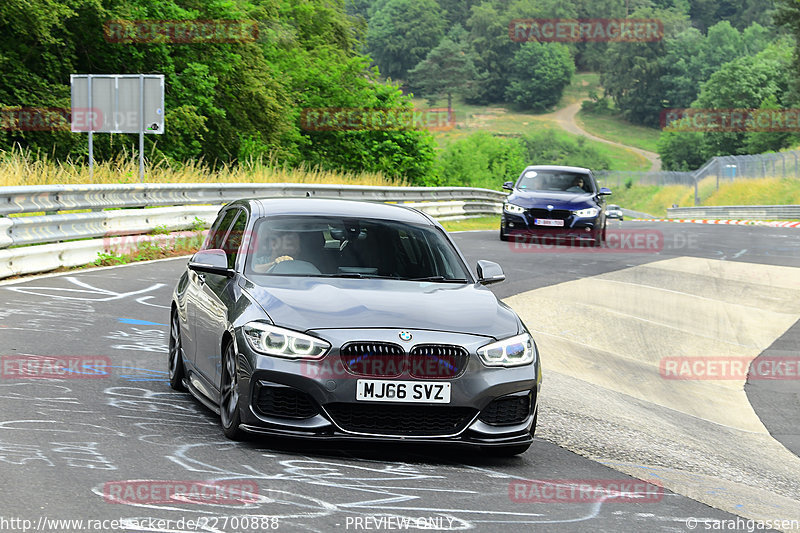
(439, 279)
(356, 275)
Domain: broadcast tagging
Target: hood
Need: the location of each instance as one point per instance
(562, 200)
(305, 303)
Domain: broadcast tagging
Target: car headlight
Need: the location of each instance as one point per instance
(511, 208)
(586, 213)
(513, 351)
(280, 342)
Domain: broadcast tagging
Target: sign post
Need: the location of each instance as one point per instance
(118, 103)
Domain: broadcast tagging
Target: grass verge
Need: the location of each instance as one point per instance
(23, 169)
(655, 200)
(471, 224)
(614, 128)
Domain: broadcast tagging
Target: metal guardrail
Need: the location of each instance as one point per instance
(748, 212)
(18, 231)
(108, 228)
(54, 198)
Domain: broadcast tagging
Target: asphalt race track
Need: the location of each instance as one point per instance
(605, 322)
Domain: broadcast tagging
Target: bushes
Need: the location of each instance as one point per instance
(481, 160)
(484, 160)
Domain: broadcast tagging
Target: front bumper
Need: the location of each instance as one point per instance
(574, 227)
(488, 406)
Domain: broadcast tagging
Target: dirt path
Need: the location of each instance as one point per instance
(565, 118)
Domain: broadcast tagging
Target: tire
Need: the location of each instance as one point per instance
(175, 358)
(503, 237)
(229, 407)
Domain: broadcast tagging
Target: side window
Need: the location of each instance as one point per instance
(233, 240)
(220, 228)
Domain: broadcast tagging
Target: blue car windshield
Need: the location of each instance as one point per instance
(353, 248)
(555, 180)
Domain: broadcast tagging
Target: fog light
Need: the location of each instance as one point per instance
(587, 229)
(510, 224)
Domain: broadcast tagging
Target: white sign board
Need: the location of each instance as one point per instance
(117, 103)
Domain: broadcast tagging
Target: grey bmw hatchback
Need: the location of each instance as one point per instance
(347, 320)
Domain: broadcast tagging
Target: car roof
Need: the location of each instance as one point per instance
(336, 207)
(558, 167)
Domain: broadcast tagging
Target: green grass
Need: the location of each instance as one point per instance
(614, 128)
(504, 120)
(469, 224)
(578, 90)
(655, 200)
(620, 158)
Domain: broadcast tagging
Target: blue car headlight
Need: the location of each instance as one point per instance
(590, 212)
(280, 342)
(513, 209)
(514, 351)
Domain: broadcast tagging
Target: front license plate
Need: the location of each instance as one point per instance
(374, 390)
(548, 222)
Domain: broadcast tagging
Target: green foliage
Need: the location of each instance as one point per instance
(448, 69)
(599, 105)
(681, 150)
(549, 147)
(481, 160)
(402, 32)
(225, 102)
(484, 160)
(488, 36)
(160, 230)
(198, 225)
(539, 74)
(633, 72)
(111, 259)
(757, 142)
(746, 82)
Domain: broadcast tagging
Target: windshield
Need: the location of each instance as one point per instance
(555, 180)
(348, 247)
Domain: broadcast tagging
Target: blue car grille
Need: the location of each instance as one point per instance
(437, 361)
(377, 359)
(388, 360)
(559, 214)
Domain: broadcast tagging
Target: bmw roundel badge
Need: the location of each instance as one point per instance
(405, 335)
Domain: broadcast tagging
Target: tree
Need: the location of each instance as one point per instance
(633, 71)
(539, 74)
(744, 83)
(758, 142)
(402, 32)
(488, 37)
(681, 150)
(682, 68)
(447, 69)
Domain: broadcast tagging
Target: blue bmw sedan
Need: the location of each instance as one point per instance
(555, 201)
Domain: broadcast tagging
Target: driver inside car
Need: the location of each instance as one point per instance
(577, 185)
(279, 248)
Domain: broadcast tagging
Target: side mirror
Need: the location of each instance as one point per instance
(509, 185)
(212, 261)
(489, 272)
(604, 191)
